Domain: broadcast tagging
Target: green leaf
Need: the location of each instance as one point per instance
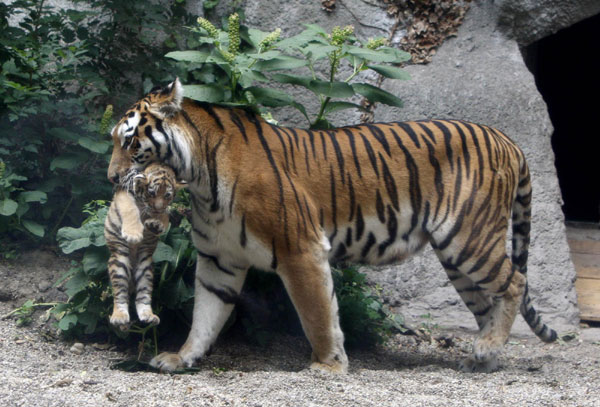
(322, 124)
(92, 233)
(270, 97)
(375, 94)
(210, 4)
(8, 207)
(204, 93)
(301, 108)
(189, 56)
(96, 146)
(76, 284)
(390, 71)
(33, 196)
(378, 55)
(292, 79)
(68, 161)
(164, 252)
(256, 36)
(67, 322)
(265, 55)
(95, 260)
(280, 62)
(399, 55)
(63, 134)
(331, 89)
(89, 320)
(317, 51)
(33, 227)
(249, 76)
(336, 106)
(315, 28)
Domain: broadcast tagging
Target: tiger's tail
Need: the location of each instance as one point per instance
(521, 226)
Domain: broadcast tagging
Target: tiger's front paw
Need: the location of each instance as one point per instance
(154, 226)
(167, 362)
(472, 365)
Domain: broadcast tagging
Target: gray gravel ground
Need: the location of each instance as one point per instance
(415, 371)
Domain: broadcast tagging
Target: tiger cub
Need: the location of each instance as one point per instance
(137, 216)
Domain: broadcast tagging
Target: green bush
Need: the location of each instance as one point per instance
(59, 68)
(231, 62)
(88, 287)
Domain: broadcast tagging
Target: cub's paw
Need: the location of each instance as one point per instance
(154, 226)
(167, 362)
(120, 319)
(149, 318)
(133, 235)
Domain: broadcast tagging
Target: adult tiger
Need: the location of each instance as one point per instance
(290, 200)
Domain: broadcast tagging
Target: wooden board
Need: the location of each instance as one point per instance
(588, 298)
(584, 246)
(589, 272)
(586, 258)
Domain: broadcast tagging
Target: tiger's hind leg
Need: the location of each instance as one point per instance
(506, 292)
(307, 279)
(472, 295)
(144, 274)
(119, 271)
(496, 291)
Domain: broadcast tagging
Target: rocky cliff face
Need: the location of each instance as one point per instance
(478, 75)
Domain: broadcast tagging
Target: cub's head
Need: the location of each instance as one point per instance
(141, 136)
(155, 187)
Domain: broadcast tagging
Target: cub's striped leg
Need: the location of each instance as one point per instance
(119, 271)
(307, 279)
(144, 273)
(215, 294)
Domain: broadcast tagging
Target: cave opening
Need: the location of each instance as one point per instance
(566, 67)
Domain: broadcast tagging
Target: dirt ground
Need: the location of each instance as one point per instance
(36, 369)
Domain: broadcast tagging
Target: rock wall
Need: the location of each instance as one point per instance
(480, 76)
(530, 20)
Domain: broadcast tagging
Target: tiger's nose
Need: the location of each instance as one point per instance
(115, 179)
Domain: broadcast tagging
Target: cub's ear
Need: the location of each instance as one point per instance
(140, 182)
(166, 102)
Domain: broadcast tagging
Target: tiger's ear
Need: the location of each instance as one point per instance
(167, 102)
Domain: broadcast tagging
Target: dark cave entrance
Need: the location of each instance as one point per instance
(566, 66)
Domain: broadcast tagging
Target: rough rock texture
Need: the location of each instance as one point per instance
(531, 20)
(480, 76)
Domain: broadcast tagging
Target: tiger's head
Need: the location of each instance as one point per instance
(144, 135)
(155, 187)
